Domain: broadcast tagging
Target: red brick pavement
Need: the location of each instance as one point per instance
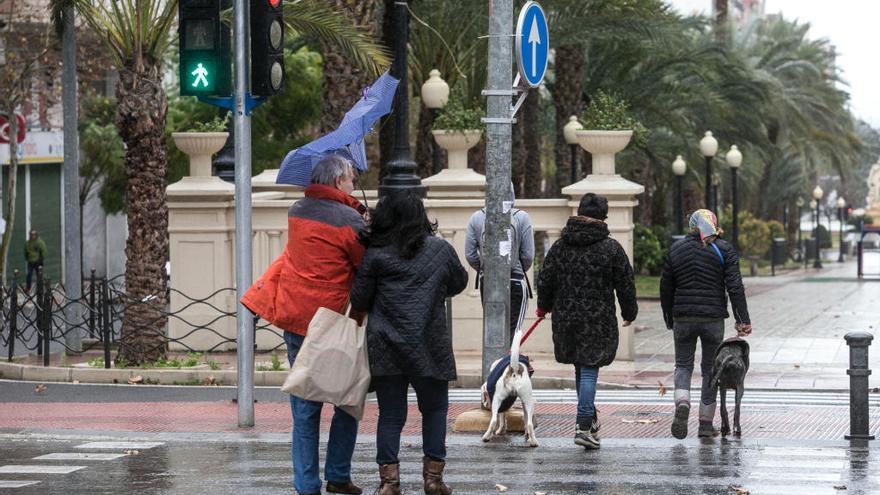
(554, 419)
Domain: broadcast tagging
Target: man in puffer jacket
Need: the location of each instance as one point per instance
(698, 270)
(577, 282)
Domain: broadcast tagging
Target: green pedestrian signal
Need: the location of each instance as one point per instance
(201, 78)
(205, 62)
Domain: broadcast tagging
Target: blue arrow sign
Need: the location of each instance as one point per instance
(532, 43)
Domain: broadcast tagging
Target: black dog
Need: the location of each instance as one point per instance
(729, 372)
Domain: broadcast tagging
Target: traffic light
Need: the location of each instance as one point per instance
(267, 47)
(205, 68)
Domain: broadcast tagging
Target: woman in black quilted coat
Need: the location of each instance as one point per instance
(577, 282)
(403, 282)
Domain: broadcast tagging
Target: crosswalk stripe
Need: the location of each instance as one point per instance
(119, 445)
(16, 483)
(38, 469)
(77, 456)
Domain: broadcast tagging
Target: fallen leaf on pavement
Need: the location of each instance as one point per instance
(40, 388)
(797, 365)
(738, 489)
(662, 388)
(500, 487)
(135, 379)
(132, 452)
(840, 487)
(209, 381)
(641, 421)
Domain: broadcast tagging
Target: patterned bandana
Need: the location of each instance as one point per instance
(704, 222)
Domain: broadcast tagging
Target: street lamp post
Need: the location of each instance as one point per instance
(817, 195)
(708, 147)
(401, 169)
(679, 167)
(841, 204)
(800, 244)
(812, 206)
(435, 94)
(734, 160)
(569, 131)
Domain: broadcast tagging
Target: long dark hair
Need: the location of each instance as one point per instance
(400, 220)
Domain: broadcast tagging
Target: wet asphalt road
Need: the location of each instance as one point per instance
(238, 464)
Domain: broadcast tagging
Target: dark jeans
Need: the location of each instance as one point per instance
(433, 399)
(32, 268)
(711, 334)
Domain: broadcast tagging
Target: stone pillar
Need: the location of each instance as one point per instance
(201, 231)
(457, 180)
(621, 194)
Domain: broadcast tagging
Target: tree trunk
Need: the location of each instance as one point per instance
(720, 11)
(424, 143)
(10, 193)
(140, 119)
(567, 100)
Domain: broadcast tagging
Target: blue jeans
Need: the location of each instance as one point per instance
(585, 379)
(433, 399)
(307, 431)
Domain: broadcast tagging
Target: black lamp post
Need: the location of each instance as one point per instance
(224, 162)
(435, 94)
(708, 147)
(401, 169)
(800, 244)
(817, 195)
(841, 204)
(734, 160)
(679, 167)
(569, 132)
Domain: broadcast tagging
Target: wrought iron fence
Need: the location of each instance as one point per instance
(34, 320)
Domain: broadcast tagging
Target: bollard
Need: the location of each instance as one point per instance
(45, 299)
(92, 305)
(36, 300)
(13, 316)
(858, 372)
(105, 319)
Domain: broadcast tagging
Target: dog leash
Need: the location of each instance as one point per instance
(530, 330)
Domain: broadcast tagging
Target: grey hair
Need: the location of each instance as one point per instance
(329, 168)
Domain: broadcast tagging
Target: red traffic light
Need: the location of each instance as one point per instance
(274, 3)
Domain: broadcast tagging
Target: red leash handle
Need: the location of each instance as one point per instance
(530, 330)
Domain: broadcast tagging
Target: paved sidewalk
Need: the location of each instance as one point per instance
(799, 322)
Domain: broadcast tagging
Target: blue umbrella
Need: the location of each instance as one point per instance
(347, 139)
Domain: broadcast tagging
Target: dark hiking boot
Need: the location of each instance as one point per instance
(343, 487)
(389, 476)
(432, 473)
(680, 421)
(707, 430)
(585, 438)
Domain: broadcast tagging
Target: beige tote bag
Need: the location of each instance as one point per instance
(332, 365)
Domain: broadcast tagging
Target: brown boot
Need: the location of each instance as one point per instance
(389, 474)
(432, 472)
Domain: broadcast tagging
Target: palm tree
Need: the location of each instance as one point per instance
(138, 35)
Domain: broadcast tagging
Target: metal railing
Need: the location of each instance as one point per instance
(40, 320)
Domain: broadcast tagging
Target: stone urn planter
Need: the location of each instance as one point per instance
(457, 180)
(603, 145)
(200, 147)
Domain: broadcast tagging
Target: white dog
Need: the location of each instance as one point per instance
(513, 382)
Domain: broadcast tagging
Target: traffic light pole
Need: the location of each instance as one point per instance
(496, 262)
(243, 243)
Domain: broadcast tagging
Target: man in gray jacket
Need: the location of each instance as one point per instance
(522, 252)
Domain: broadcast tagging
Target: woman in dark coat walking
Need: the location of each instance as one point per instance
(576, 283)
(405, 277)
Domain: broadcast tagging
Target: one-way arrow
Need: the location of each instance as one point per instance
(534, 40)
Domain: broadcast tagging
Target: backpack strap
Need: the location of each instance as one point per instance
(718, 252)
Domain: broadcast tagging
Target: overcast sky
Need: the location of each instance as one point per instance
(851, 25)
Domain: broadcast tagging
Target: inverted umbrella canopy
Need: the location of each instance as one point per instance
(347, 139)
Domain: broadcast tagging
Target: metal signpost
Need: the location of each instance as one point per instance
(532, 42)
